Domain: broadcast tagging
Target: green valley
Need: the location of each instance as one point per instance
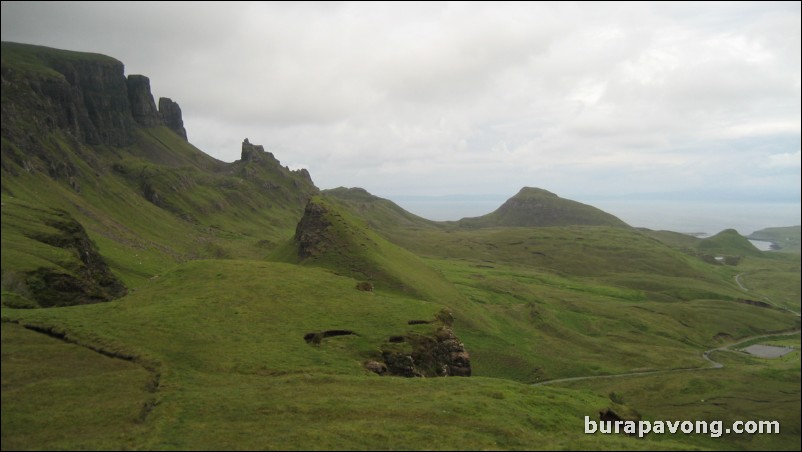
(156, 298)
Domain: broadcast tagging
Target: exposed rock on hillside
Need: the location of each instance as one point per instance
(87, 278)
(143, 109)
(86, 95)
(171, 115)
(253, 152)
(310, 234)
(439, 354)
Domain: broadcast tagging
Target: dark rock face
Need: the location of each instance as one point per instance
(143, 109)
(96, 105)
(400, 364)
(252, 152)
(85, 95)
(310, 234)
(442, 355)
(171, 115)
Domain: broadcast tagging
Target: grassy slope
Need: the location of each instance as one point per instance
(380, 214)
(53, 393)
(227, 338)
(350, 247)
(204, 210)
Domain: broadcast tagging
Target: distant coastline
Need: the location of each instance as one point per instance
(689, 217)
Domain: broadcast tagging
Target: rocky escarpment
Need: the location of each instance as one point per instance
(143, 109)
(85, 95)
(87, 98)
(171, 115)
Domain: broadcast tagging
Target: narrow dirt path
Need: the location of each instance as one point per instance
(738, 280)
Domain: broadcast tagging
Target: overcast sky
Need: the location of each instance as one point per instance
(697, 100)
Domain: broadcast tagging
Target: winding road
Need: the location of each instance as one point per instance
(705, 355)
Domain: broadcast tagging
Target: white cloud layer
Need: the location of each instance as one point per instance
(601, 99)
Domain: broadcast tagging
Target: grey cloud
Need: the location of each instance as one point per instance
(440, 98)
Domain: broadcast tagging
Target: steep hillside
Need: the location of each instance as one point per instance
(81, 139)
(535, 207)
(331, 237)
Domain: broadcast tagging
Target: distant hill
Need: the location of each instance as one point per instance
(729, 243)
(534, 207)
(380, 213)
(785, 239)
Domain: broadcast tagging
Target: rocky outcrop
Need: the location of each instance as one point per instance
(86, 95)
(143, 109)
(440, 354)
(86, 98)
(96, 105)
(171, 115)
(88, 278)
(253, 152)
(310, 234)
(304, 173)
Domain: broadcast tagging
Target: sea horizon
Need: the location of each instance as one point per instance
(690, 217)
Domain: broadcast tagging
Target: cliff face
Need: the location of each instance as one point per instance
(81, 138)
(85, 95)
(143, 109)
(171, 115)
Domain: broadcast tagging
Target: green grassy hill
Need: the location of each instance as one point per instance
(146, 198)
(538, 207)
(728, 243)
(380, 214)
(330, 236)
(786, 239)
